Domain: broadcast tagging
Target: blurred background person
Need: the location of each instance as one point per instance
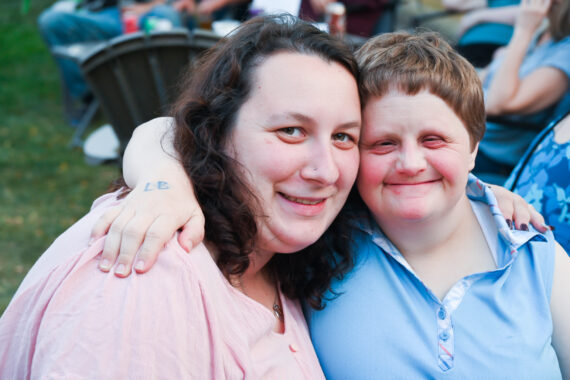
(485, 26)
(66, 23)
(526, 86)
(362, 16)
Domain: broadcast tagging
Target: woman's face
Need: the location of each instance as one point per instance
(415, 158)
(297, 139)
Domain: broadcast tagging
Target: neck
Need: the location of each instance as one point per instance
(257, 262)
(414, 238)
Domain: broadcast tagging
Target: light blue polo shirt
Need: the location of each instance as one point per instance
(387, 324)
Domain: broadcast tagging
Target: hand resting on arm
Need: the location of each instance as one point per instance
(161, 201)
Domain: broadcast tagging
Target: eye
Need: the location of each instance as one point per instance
(291, 131)
(383, 146)
(433, 141)
(344, 140)
(291, 134)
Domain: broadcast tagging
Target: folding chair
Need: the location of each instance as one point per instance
(134, 76)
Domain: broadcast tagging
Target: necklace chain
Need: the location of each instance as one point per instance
(277, 310)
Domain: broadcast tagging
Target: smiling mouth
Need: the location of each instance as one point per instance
(303, 201)
(411, 183)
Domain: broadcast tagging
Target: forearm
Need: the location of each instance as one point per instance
(150, 156)
(506, 81)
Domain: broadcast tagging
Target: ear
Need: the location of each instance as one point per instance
(473, 155)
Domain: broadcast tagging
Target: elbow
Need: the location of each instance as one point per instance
(497, 106)
(493, 110)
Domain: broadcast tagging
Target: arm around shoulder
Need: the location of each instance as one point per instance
(162, 200)
(560, 307)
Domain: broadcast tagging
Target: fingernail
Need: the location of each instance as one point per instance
(139, 265)
(105, 264)
(121, 269)
(510, 224)
(524, 227)
(551, 228)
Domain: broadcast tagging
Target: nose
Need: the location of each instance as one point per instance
(411, 160)
(320, 165)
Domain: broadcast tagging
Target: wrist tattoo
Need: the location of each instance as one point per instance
(159, 185)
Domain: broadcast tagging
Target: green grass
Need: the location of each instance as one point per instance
(45, 186)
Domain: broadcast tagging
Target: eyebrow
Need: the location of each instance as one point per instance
(302, 118)
(290, 116)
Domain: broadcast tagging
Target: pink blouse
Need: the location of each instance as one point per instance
(181, 320)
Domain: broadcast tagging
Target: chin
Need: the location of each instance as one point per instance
(292, 244)
(414, 214)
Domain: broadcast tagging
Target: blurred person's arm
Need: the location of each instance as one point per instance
(463, 5)
(508, 93)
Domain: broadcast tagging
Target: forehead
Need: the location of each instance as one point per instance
(397, 112)
(284, 70)
(296, 82)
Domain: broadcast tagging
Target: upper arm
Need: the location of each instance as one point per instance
(560, 308)
(538, 90)
(150, 151)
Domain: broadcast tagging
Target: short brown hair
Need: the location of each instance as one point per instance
(410, 63)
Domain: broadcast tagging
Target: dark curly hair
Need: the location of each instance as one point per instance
(205, 113)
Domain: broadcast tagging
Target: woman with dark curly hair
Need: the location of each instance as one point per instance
(266, 157)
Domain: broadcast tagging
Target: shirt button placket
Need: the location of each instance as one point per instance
(445, 339)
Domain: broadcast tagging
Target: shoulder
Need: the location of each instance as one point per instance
(159, 124)
(70, 319)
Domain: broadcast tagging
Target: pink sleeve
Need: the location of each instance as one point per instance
(69, 320)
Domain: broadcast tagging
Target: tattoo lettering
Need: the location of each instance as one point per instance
(159, 185)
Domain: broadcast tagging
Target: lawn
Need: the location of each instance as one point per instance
(45, 186)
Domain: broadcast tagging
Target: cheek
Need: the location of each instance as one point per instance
(452, 165)
(263, 169)
(348, 166)
(371, 173)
